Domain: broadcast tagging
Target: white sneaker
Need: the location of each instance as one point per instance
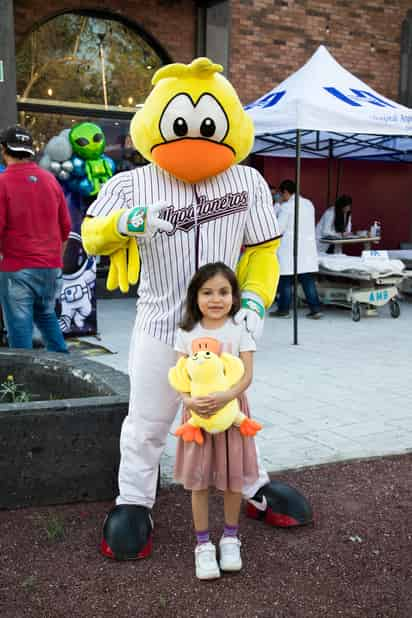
(229, 548)
(205, 561)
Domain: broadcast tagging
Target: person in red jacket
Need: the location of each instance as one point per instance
(34, 225)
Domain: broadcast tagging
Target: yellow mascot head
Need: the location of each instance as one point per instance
(192, 123)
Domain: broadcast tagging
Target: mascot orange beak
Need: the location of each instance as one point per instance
(193, 160)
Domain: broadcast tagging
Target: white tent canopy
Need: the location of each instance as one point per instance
(322, 110)
(337, 113)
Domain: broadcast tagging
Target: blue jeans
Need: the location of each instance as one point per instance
(28, 296)
(307, 282)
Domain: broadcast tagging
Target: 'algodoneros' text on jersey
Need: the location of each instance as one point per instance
(211, 221)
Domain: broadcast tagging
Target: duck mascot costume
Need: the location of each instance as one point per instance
(191, 205)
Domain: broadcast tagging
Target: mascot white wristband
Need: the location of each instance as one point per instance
(252, 312)
(252, 302)
(143, 221)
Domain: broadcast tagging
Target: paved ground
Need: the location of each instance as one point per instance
(342, 393)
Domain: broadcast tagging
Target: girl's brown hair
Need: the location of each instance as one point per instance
(192, 315)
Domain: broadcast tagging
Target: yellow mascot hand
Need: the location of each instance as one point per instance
(100, 236)
(124, 268)
(117, 263)
(133, 265)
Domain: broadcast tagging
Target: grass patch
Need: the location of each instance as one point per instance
(29, 583)
(54, 527)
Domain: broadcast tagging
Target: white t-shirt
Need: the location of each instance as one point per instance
(234, 338)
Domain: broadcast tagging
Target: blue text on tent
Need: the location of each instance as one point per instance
(269, 100)
(358, 98)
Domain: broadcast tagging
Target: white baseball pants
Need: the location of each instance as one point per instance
(152, 408)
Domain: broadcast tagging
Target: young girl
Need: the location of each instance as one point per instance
(225, 460)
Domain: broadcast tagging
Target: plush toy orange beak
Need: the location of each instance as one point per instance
(193, 160)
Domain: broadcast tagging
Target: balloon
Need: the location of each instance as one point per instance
(54, 167)
(90, 165)
(67, 166)
(78, 166)
(63, 175)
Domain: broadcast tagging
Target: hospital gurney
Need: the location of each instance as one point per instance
(405, 255)
(360, 283)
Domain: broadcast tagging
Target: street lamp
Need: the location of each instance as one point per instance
(100, 29)
(146, 61)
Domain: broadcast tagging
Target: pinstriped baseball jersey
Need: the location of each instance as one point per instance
(211, 221)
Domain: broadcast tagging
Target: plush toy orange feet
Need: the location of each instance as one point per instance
(190, 433)
(249, 427)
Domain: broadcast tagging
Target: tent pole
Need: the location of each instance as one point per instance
(338, 178)
(295, 241)
(330, 155)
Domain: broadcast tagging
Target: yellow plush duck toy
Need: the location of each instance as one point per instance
(200, 374)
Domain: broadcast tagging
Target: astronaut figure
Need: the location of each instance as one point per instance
(76, 297)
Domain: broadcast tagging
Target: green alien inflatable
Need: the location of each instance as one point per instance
(91, 167)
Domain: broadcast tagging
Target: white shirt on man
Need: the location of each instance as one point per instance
(307, 252)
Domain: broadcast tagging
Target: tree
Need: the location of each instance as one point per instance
(61, 59)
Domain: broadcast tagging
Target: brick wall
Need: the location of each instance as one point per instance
(170, 22)
(270, 39)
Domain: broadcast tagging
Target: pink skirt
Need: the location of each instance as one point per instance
(225, 460)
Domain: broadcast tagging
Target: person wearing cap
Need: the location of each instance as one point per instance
(34, 225)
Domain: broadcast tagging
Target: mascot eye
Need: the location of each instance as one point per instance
(208, 354)
(208, 127)
(177, 118)
(181, 118)
(212, 119)
(82, 141)
(180, 127)
(98, 137)
(195, 356)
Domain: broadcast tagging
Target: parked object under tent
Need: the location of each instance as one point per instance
(360, 284)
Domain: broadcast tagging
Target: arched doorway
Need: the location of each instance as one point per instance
(85, 66)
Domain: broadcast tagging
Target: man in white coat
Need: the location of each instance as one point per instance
(307, 252)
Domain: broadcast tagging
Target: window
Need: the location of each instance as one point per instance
(80, 66)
